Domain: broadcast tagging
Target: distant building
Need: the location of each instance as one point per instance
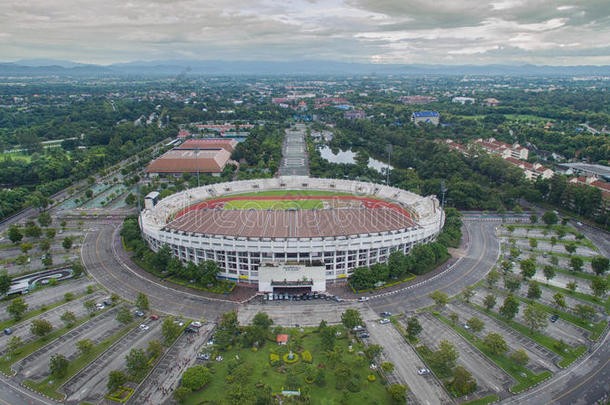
(178, 161)
(491, 102)
(183, 134)
(417, 99)
(354, 115)
(586, 169)
(463, 100)
(151, 200)
(532, 171)
(226, 144)
(503, 149)
(428, 117)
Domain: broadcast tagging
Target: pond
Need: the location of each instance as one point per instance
(348, 156)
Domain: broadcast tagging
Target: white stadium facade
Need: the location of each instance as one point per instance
(294, 248)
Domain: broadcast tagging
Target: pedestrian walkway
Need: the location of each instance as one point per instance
(294, 153)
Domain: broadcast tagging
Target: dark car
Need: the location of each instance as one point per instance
(8, 331)
(554, 318)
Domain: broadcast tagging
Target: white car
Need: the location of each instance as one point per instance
(100, 306)
(423, 371)
(363, 299)
(384, 321)
(144, 327)
(196, 324)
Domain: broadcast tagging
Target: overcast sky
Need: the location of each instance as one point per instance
(381, 31)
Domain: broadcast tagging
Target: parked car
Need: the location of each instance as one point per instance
(423, 371)
(196, 324)
(554, 318)
(8, 331)
(100, 306)
(384, 321)
(154, 317)
(386, 314)
(203, 356)
(358, 328)
(338, 299)
(144, 327)
(363, 299)
(138, 313)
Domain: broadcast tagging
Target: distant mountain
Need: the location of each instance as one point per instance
(43, 67)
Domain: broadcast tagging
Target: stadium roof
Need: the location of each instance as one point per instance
(291, 223)
(424, 114)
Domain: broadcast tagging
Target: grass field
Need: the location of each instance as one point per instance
(282, 193)
(16, 155)
(273, 204)
(275, 377)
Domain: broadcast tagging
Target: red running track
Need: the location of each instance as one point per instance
(366, 202)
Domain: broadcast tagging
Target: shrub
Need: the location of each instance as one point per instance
(288, 360)
(306, 356)
(371, 377)
(274, 359)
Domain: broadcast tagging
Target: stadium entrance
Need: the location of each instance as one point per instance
(291, 278)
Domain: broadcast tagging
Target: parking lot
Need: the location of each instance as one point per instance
(158, 386)
(98, 329)
(560, 330)
(425, 388)
(540, 357)
(22, 329)
(48, 296)
(490, 378)
(90, 384)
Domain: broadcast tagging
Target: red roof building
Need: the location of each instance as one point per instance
(282, 339)
(226, 144)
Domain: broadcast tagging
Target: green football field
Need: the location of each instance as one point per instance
(273, 204)
(282, 193)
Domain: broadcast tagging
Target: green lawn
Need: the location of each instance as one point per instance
(370, 392)
(524, 376)
(49, 385)
(282, 193)
(273, 204)
(482, 401)
(16, 155)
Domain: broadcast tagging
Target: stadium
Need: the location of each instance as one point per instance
(292, 232)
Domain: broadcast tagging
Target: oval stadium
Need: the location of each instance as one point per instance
(291, 232)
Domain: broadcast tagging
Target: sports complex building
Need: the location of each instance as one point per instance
(290, 232)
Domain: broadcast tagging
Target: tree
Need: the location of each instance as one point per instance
(489, 301)
(492, 278)
(445, 357)
(351, 318)
(550, 218)
(136, 363)
(495, 343)
(116, 379)
(32, 231)
(549, 272)
(17, 308)
(507, 266)
(468, 293)
(45, 245)
(47, 259)
(124, 316)
(599, 286)
(68, 318)
(58, 365)
(114, 298)
(227, 330)
(170, 330)
(520, 358)
(509, 307)
(154, 349)
(576, 263)
(572, 286)
(585, 312)
(262, 320)
(559, 299)
(44, 219)
(454, 317)
(181, 393)
(554, 260)
(14, 234)
(533, 218)
(85, 346)
(387, 366)
(5, 283)
(196, 377)
(533, 243)
(463, 383)
(398, 393)
(25, 247)
(535, 318)
(67, 243)
(89, 306)
(14, 344)
(553, 241)
(320, 379)
(570, 248)
(528, 268)
(142, 302)
(534, 292)
(512, 283)
(50, 233)
(413, 328)
(475, 324)
(372, 351)
(600, 265)
(77, 269)
(440, 299)
(41, 327)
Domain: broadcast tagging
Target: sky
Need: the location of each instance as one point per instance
(544, 32)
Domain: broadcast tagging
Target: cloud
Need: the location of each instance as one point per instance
(402, 31)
